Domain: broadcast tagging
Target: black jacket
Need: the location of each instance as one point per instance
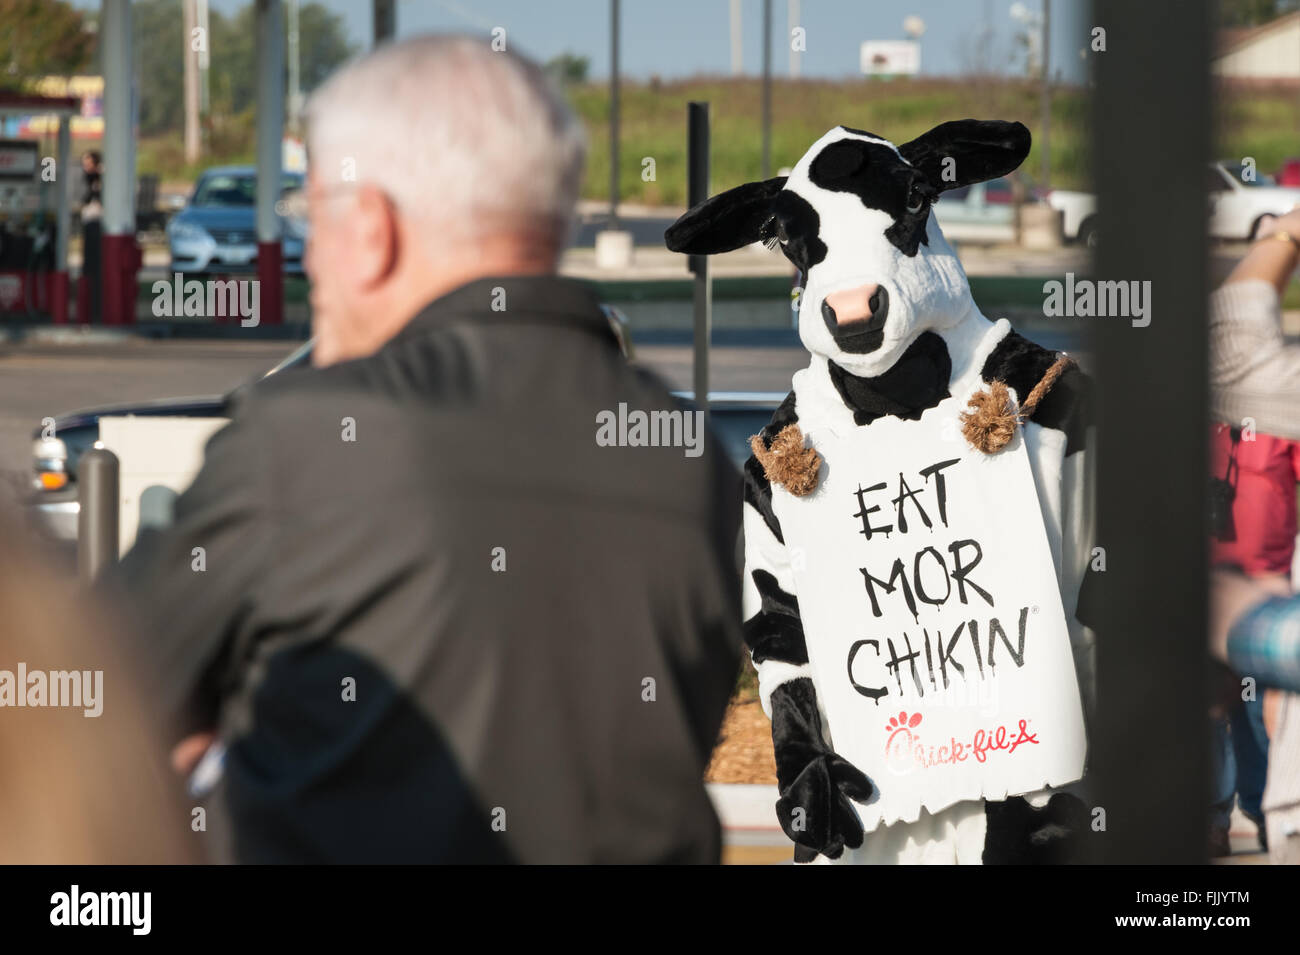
(433, 642)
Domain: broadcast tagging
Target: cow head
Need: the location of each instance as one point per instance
(854, 218)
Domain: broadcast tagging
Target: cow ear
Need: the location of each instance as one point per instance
(730, 220)
(979, 150)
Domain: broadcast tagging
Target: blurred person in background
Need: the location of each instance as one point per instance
(1255, 466)
(78, 789)
(91, 215)
(437, 620)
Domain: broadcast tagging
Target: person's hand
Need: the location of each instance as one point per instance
(1290, 222)
(1231, 595)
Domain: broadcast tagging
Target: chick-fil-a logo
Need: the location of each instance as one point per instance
(905, 750)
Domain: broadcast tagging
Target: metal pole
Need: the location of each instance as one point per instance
(737, 45)
(295, 82)
(191, 72)
(793, 16)
(697, 187)
(205, 98)
(270, 133)
(63, 201)
(767, 89)
(115, 40)
(97, 519)
(384, 13)
(613, 114)
(60, 287)
(119, 254)
(1045, 137)
(1152, 784)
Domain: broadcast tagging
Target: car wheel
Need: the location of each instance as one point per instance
(1088, 234)
(1254, 226)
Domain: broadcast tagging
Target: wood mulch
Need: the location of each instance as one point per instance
(744, 750)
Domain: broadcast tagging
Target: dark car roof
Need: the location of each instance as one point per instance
(194, 406)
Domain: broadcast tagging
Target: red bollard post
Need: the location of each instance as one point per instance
(270, 276)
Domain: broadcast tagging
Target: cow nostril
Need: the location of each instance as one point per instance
(876, 300)
(828, 315)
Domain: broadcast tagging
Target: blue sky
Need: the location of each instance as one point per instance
(676, 38)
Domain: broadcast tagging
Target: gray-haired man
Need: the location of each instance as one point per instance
(439, 621)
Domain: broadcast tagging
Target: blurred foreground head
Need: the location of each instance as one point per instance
(77, 789)
(434, 161)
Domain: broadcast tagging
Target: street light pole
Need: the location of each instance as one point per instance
(295, 82)
(1047, 95)
(613, 114)
(767, 89)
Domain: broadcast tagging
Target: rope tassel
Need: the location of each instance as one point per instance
(992, 421)
(787, 462)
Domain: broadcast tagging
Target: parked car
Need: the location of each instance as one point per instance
(55, 502)
(1237, 205)
(216, 232)
(1078, 215)
(981, 212)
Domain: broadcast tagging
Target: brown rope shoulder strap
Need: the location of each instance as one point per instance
(993, 418)
(988, 426)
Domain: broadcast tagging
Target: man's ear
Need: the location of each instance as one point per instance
(967, 150)
(730, 220)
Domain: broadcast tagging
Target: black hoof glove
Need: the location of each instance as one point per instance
(815, 783)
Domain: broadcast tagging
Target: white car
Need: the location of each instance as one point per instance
(1078, 215)
(1236, 206)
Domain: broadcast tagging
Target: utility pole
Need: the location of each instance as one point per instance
(191, 63)
(295, 81)
(1047, 95)
(737, 44)
(767, 89)
(613, 114)
(384, 17)
(205, 101)
(796, 56)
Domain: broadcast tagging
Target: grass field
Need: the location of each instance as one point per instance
(1263, 123)
(653, 125)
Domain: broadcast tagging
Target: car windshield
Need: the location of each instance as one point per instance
(999, 191)
(235, 189)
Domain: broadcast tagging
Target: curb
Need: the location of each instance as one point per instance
(747, 808)
(67, 335)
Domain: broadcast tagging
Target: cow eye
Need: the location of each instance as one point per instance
(916, 200)
(775, 234)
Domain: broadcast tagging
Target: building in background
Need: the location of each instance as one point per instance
(890, 58)
(1267, 52)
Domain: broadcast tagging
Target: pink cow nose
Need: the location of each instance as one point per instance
(853, 304)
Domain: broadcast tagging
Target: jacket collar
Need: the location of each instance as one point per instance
(514, 299)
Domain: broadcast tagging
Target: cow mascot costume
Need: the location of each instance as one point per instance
(916, 523)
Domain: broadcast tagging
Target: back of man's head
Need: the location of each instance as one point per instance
(456, 132)
(473, 154)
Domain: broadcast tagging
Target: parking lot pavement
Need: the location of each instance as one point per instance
(37, 381)
(40, 380)
(730, 369)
